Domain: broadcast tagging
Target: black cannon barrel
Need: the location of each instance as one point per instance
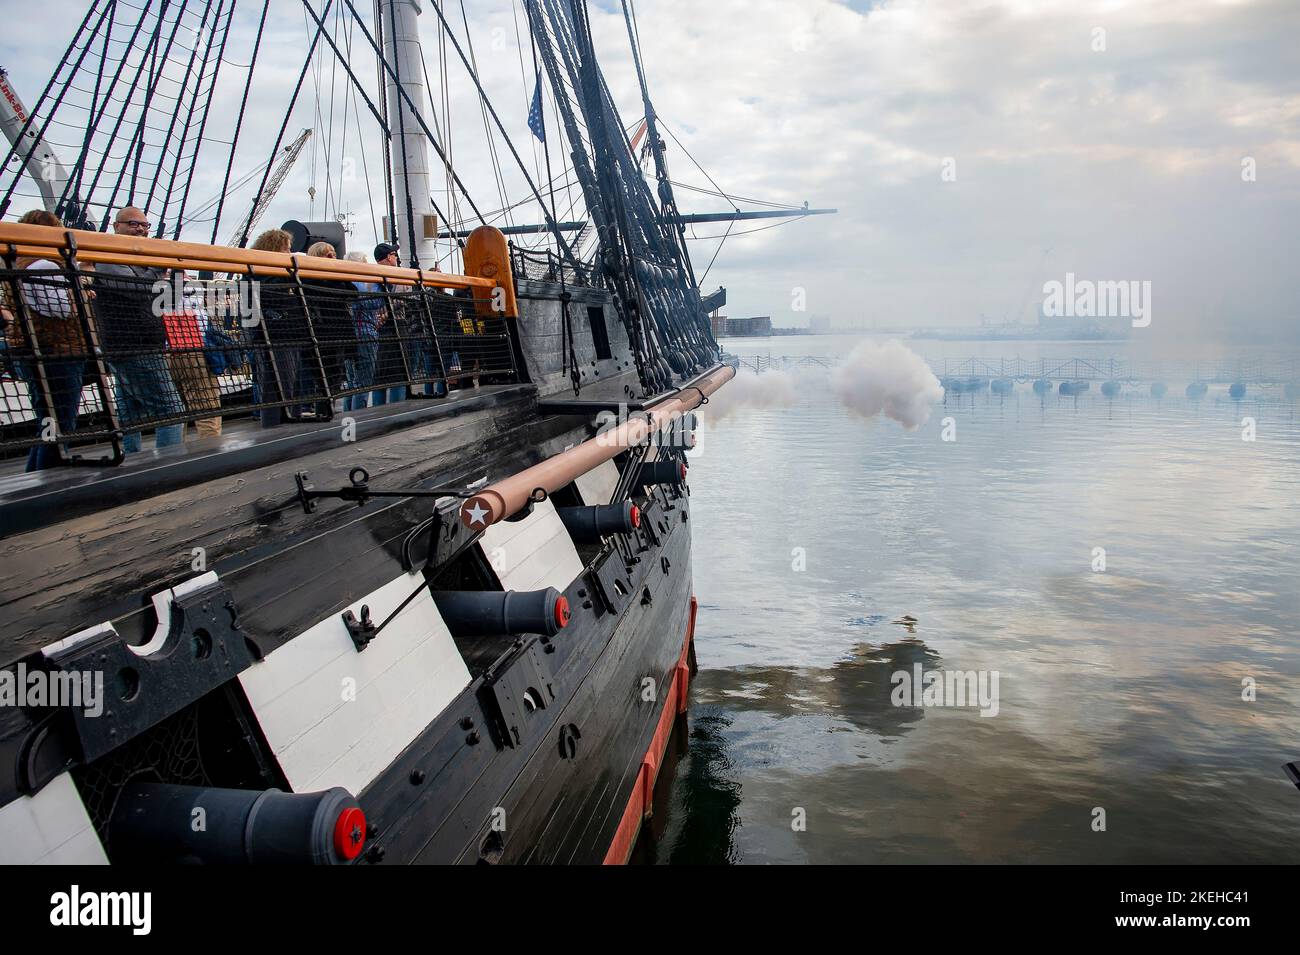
(589, 524)
(661, 472)
(481, 613)
(161, 822)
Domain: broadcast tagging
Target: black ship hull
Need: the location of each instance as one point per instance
(216, 604)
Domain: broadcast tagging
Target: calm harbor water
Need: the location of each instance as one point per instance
(1119, 690)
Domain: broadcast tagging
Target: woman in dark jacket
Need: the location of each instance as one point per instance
(329, 303)
(279, 337)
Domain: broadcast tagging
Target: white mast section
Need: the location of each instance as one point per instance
(400, 29)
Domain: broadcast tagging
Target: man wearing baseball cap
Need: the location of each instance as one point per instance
(385, 254)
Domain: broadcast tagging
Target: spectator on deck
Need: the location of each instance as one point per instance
(187, 325)
(135, 340)
(49, 305)
(275, 366)
(367, 315)
(329, 305)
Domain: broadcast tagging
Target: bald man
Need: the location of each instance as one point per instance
(129, 322)
(131, 221)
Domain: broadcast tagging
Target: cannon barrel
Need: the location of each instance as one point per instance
(162, 822)
(661, 472)
(482, 613)
(588, 524)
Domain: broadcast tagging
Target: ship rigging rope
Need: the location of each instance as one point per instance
(31, 117)
(405, 97)
(361, 145)
(284, 124)
(501, 128)
(157, 64)
(413, 256)
(487, 130)
(523, 79)
(239, 123)
(149, 54)
(762, 228)
(207, 107)
(382, 86)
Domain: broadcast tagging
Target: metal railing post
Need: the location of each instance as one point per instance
(90, 335)
(311, 332)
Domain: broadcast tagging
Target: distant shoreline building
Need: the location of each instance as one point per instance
(757, 327)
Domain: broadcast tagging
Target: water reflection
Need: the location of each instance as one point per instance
(1120, 689)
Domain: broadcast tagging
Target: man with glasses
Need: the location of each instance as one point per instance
(128, 311)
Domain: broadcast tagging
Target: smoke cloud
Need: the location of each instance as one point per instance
(890, 379)
(749, 391)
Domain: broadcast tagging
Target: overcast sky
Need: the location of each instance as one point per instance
(1122, 163)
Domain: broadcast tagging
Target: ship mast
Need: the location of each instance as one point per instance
(416, 227)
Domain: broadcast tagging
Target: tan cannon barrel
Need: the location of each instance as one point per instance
(498, 501)
(97, 247)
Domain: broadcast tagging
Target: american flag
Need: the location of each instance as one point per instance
(536, 122)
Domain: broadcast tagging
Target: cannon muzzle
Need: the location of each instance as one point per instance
(589, 524)
(483, 613)
(161, 822)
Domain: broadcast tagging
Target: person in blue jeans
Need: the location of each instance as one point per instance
(136, 342)
(64, 378)
(145, 391)
(48, 302)
(388, 350)
(368, 314)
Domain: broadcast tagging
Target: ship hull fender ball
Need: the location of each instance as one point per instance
(1042, 387)
(1237, 390)
(1110, 388)
(1159, 389)
(976, 384)
(1003, 386)
(1197, 389)
(1074, 387)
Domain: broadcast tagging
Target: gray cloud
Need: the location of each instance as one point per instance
(1126, 164)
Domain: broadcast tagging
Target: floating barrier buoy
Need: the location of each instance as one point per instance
(1003, 386)
(1159, 389)
(1110, 388)
(1237, 390)
(1197, 389)
(1042, 386)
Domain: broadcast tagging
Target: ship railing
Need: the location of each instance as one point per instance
(107, 336)
(544, 265)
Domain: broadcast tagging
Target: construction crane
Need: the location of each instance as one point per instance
(289, 157)
(36, 155)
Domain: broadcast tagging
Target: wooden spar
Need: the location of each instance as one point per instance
(498, 501)
(163, 253)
